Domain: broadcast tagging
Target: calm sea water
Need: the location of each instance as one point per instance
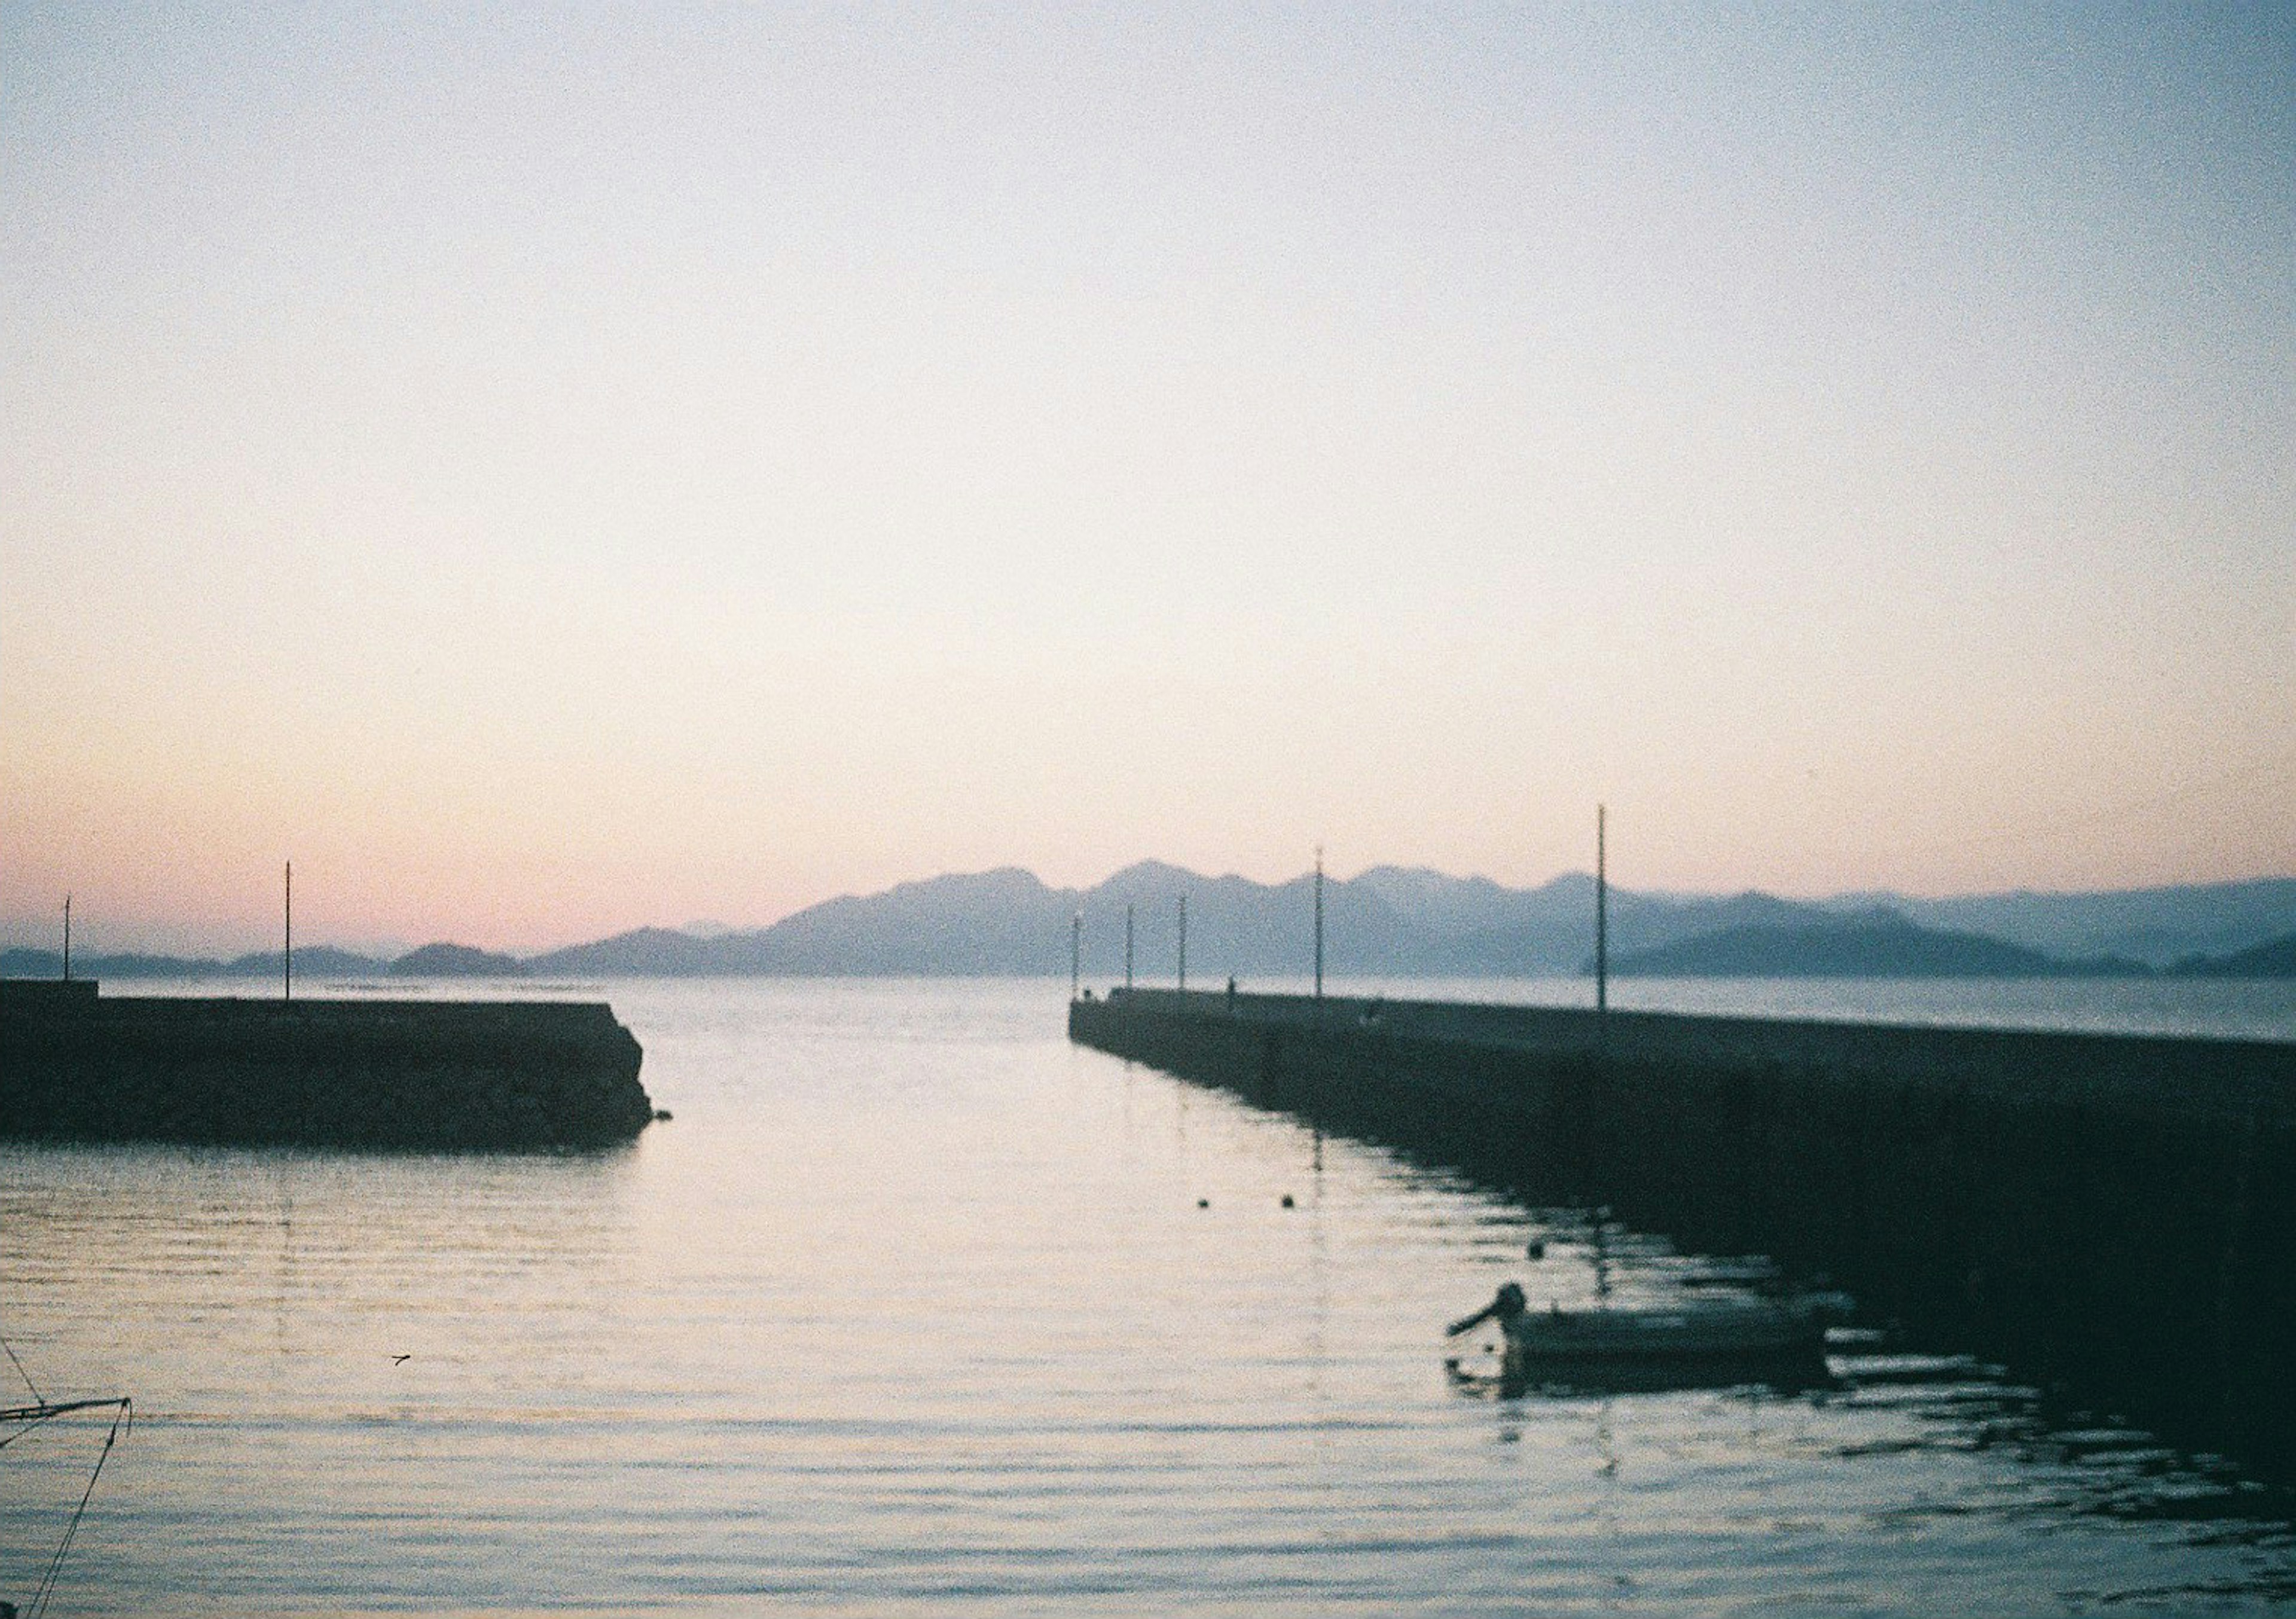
(914, 1309)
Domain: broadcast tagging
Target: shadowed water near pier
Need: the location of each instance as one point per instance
(914, 1308)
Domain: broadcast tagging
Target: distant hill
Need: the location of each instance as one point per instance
(1472, 925)
(642, 952)
(1007, 921)
(311, 961)
(999, 921)
(319, 960)
(989, 922)
(2160, 926)
(1874, 944)
(444, 961)
(2273, 959)
(1390, 921)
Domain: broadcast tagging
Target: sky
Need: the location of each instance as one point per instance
(547, 470)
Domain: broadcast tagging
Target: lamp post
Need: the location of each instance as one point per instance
(1601, 922)
(1319, 922)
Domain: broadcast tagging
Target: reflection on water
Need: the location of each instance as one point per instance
(1784, 1375)
(916, 1308)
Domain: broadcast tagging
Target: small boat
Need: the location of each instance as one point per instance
(1704, 1328)
(1698, 1340)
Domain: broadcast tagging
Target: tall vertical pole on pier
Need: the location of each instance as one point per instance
(1183, 941)
(67, 938)
(1127, 944)
(1602, 921)
(1319, 922)
(1075, 952)
(287, 947)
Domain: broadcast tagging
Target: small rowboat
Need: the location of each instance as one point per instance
(1705, 1329)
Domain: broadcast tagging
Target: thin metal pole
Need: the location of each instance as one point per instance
(1075, 952)
(1183, 941)
(1602, 919)
(1319, 922)
(67, 938)
(287, 951)
(1127, 944)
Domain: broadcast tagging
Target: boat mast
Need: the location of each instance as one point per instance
(1319, 922)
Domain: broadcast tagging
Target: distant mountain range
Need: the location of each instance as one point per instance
(1872, 944)
(1389, 921)
(2273, 959)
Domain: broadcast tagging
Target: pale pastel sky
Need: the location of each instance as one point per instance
(550, 471)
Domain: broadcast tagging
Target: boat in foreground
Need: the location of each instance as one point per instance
(1694, 1330)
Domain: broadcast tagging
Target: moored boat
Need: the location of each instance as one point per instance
(1709, 1328)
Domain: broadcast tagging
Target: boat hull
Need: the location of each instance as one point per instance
(1752, 1330)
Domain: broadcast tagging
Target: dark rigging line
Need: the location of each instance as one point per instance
(46, 1592)
(31, 1416)
(30, 1423)
(36, 1395)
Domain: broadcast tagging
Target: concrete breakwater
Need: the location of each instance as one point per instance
(2112, 1214)
(440, 1074)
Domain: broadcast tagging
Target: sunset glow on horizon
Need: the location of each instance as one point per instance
(554, 473)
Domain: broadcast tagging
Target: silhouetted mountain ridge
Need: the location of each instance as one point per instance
(1872, 943)
(2158, 926)
(312, 962)
(2272, 959)
(1390, 921)
(444, 961)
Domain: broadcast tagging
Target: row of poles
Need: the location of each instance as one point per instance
(1602, 928)
(1075, 932)
(1076, 939)
(287, 940)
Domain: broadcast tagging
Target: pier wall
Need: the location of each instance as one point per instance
(2114, 1214)
(445, 1075)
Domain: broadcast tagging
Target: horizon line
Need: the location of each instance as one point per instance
(13, 940)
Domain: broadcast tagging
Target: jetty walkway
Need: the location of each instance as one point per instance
(2116, 1213)
(506, 1076)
